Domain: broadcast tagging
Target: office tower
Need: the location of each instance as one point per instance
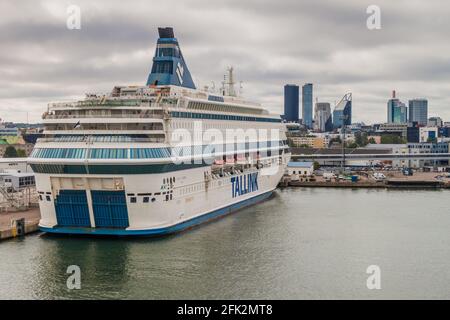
(307, 104)
(322, 117)
(291, 99)
(418, 111)
(396, 110)
(342, 114)
(413, 132)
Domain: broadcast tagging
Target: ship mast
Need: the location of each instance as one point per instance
(228, 83)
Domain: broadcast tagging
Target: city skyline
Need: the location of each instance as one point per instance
(43, 61)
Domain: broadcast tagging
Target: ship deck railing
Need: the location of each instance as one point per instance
(112, 103)
(88, 139)
(111, 116)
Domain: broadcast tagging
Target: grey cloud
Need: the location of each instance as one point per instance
(270, 43)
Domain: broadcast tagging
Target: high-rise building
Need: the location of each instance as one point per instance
(435, 122)
(322, 117)
(307, 104)
(396, 110)
(413, 132)
(342, 114)
(418, 111)
(291, 99)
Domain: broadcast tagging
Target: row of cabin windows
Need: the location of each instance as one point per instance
(193, 115)
(146, 199)
(155, 126)
(215, 125)
(222, 107)
(192, 188)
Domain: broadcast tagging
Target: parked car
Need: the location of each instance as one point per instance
(407, 172)
(378, 176)
(328, 176)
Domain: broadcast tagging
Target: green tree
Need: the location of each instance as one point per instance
(316, 165)
(10, 152)
(337, 139)
(21, 153)
(372, 140)
(361, 139)
(392, 139)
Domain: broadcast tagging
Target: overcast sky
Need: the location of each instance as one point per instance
(270, 43)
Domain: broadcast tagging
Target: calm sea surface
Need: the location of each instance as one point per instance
(301, 244)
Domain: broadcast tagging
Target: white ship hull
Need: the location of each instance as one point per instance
(194, 201)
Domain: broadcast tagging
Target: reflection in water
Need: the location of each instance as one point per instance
(302, 243)
(103, 264)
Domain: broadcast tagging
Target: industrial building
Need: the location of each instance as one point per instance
(14, 180)
(300, 170)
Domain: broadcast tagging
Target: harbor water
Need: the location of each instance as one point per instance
(303, 243)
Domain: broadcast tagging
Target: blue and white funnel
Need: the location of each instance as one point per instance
(169, 67)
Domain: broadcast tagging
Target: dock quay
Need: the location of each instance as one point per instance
(9, 228)
(388, 184)
(393, 180)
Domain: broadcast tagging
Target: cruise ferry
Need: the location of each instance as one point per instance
(155, 159)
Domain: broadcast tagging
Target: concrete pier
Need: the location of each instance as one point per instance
(31, 217)
(420, 180)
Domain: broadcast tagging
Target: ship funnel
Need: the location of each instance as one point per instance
(169, 67)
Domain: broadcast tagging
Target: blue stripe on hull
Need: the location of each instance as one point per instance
(160, 231)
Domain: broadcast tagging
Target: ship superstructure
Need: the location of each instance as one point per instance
(155, 159)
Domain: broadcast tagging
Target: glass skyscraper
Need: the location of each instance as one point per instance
(291, 99)
(342, 114)
(418, 111)
(307, 104)
(397, 112)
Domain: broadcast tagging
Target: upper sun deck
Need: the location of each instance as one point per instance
(149, 102)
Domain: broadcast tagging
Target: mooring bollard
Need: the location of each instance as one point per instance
(18, 227)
